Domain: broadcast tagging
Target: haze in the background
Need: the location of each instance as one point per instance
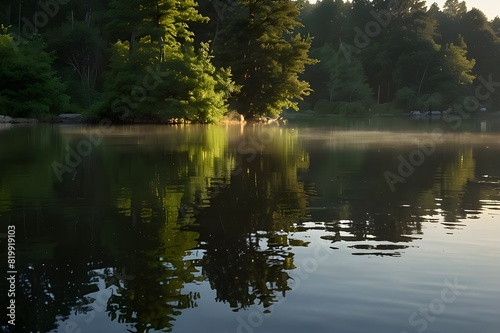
(490, 8)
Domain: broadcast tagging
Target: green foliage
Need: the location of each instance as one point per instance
(324, 106)
(482, 42)
(455, 9)
(430, 102)
(80, 47)
(413, 56)
(207, 88)
(265, 55)
(456, 64)
(29, 86)
(406, 97)
(198, 90)
(347, 78)
(157, 73)
(327, 22)
(153, 60)
(495, 26)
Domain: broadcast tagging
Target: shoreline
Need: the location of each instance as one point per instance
(76, 119)
(80, 119)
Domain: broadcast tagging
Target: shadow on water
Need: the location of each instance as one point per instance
(153, 211)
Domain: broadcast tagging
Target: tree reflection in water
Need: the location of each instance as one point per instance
(172, 207)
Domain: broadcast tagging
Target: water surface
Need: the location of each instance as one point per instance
(350, 228)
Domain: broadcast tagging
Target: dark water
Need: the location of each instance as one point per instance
(351, 228)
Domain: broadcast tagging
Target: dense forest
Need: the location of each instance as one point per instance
(164, 59)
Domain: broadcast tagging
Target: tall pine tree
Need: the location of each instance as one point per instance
(266, 56)
(155, 70)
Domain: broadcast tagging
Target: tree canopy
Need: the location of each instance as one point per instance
(146, 60)
(29, 86)
(412, 56)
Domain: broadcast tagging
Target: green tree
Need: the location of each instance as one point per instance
(80, 49)
(483, 44)
(455, 9)
(29, 86)
(155, 70)
(495, 25)
(266, 56)
(434, 76)
(327, 21)
(347, 80)
(456, 64)
(409, 35)
(202, 89)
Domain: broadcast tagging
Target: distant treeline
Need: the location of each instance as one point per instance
(153, 60)
(401, 55)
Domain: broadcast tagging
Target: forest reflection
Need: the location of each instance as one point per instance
(154, 210)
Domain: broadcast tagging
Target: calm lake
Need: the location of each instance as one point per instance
(348, 227)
